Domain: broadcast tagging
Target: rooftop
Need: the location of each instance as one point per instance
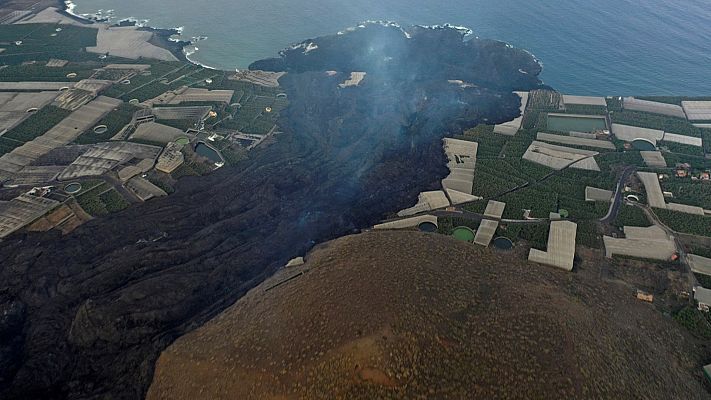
(561, 246)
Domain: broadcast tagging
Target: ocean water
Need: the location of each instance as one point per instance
(602, 47)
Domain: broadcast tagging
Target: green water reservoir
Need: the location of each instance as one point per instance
(575, 123)
(463, 233)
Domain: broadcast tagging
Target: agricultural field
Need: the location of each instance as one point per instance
(446, 225)
(672, 99)
(191, 76)
(164, 76)
(585, 109)
(679, 148)
(100, 199)
(654, 121)
(686, 191)
(540, 202)
(157, 70)
(614, 104)
(39, 72)
(535, 235)
(704, 280)
(501, 174)
(114, 121)
(545, 100)
(685, 223)
(42, 42)
(631, 216)
(251, 116)
(588, 234)
(695, 321)
(696, 162)
(31, 128)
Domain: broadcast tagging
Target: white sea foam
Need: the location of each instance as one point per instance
(192, 49)
(463, 29)
(311, 47)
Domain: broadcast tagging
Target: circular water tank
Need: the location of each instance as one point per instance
(502, 243)
(72, 188)
(427, 227)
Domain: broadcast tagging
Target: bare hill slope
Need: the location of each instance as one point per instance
(409, 315)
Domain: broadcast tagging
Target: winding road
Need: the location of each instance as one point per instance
(617, 198)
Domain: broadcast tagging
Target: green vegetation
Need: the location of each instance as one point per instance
(88, 185)
(631, 216)
(587, 235)
(496, 176)
(685, 223)
(42, 42)
(614, 104)
(446, 225)
(695, 321)
(113, 201)
(161, 180)
(682, 148)
(100, 198)
(7, 144)
(687, 191)
(491, 145)
(696, 162)
(509, 231)
(39, 72)
(535, 235)
(654, 121)
(114, 121)
(546, 100)
(706, 135)
(704, 280)
(157, 70)
(182, 124)
(89, 199)
(585, 109)
(34, 126)
(701, 251)
(251, 115)
(190, 168)
(609, 162)
(233, 156)
(535, 119)
(540, 202)
(671, 99)
(164, 76)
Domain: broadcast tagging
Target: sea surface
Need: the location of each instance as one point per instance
(601, 47)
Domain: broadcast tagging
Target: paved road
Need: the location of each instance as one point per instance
(617, 198)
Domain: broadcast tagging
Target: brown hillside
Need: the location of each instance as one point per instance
(408, 315)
